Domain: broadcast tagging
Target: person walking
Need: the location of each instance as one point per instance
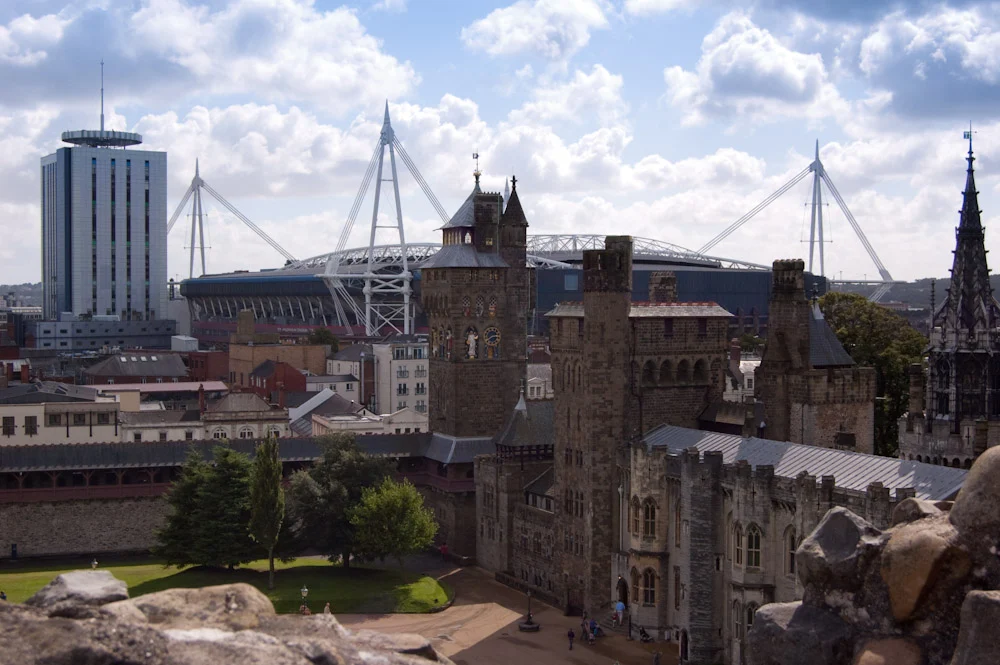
(656, 658)
(570, 635)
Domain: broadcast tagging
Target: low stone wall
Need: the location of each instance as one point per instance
(84, 527)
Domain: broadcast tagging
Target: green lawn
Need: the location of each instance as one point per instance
(359, 589)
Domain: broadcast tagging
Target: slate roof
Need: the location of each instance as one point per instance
(651, 310)
(160, 417)
(179, 387)
(41, 392)
(331, 378)
(539, 371)
(533, 426)
(239, 402)
(454, 450)
(139, 363)
(513, 213)
(825, 350)
(465, 216)
(264, 369)
(294, 398)
(543, 485)
(463, 256)
(852, 471)
(353, 353)
(334, 405)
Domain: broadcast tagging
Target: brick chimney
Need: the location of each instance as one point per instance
(25, 373)
(662, 287)
(201, 398)
(282, 395)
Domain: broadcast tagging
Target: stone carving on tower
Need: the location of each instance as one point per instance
(954, 411)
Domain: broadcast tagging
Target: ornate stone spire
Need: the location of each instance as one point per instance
(969, 305)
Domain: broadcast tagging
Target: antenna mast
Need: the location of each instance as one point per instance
(102, 94)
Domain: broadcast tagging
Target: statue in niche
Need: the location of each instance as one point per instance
(471, 342)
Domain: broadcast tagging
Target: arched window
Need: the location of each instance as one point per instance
(677, 523)
(790, 547)
(738, 544)
(666, 373)
(480, 306)
(753, 546)
(219, 433)
(273, 431)
(701, 371)
(751, 611)
(636, 517)
(649, 373)
(955, 463)
(567, 376)
(737, 620)
(648, 587)
(920, 458)
(684, 372)
(648, 519)
(968, 463)
(246, 432)
(579, 375)
(635, 585)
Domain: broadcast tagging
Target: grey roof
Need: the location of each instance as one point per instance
(852, 471)
(532, 427)
(139, 363)
(302, 426)
(336, 406)
(543, 485)
(825, 350)
(652, 310)
(41, 392)
(539, 371)
(239, 402)
(294, 398)
(160, 417)
(463, 256)
(353, 353)
(455, 450)
(266, 368)
(466, 213)
(331, 378)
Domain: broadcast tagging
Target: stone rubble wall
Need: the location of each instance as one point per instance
(924, 591)
(87, 617)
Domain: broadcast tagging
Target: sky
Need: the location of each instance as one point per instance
(663, 119)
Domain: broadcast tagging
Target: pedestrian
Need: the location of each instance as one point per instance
(326, 609)
(629, 626)
(3, 595)
(570, 635)
(656, 658)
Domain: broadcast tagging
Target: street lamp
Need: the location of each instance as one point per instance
(93, 564)
(529, 621)
(305, 592)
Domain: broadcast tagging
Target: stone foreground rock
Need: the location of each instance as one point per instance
(924, 592)
(86, 617)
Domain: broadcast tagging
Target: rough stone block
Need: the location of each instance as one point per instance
(977, 635)
(977, 506)
(67, 593)
(836, 553)
(911, 510)
(785, 633)
(234, 606)
(889, 651)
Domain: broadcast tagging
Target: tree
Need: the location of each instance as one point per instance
(209, 525)
(750, 343)
(391, 521)
(267, 500)
(321, 499)
(324, 336)
(878, 338)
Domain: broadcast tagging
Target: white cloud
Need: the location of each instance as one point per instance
(24, 39)
(640, 7)
(598, 93)
(745, 71)
(553, 29)
(278, 49)
(390, 5)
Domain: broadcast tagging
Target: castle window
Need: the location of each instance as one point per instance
(219, 433)
(636, 512)
(635, 584)
(753, 547)
(701, 371)
(668, 327)
(738, 545)
(751, 611)
(791, 547)
(677, 587)
(649, 373)
(649, 519)
(666, 373)
(702, 327)
(684, 372)
(737, 620)
(648, 587)
(677, 523)
(246, 432)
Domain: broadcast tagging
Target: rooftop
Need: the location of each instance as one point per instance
(41, 392)
(178, 387)
(331, 378)
(463, 256)
(639, 310)
(353, 353)
(852, 471)
(240, 402)
(139, 364)
(825, 350)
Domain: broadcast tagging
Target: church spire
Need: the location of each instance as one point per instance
(970, 305)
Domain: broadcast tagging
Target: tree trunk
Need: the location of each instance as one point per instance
(345, 559)
(270, 571)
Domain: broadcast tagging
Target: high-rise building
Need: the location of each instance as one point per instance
(104, 227)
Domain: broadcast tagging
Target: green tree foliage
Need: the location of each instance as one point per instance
(321, 499)
(750, 343)
(267, 500)
(209, 524)
(324, 336)
(879, 338)
(391, 521)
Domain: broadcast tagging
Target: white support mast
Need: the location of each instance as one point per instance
(387, 284)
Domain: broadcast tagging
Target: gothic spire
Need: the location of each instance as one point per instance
(970, 304)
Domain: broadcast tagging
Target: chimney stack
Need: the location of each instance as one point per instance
(282, 395)
(25, 373)
(201, 398)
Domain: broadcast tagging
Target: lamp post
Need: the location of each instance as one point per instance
(529, 608)
(93, 564)
(528, 625)
(305, 592)
(363, 401)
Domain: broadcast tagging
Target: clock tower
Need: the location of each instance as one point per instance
(476, 295)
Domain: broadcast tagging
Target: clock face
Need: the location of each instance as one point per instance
(492, 336)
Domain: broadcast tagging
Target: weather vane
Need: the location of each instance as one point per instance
(477, 172)
(968, 135)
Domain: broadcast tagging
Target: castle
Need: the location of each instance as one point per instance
(954, 405)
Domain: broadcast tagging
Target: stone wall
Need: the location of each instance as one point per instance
(82, 527)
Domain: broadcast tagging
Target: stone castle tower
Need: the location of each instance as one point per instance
(961, 391)
(475, 292)
(811, 389)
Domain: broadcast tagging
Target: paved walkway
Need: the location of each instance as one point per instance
(481, 627)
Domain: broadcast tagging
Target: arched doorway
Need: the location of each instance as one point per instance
(623, 590)
(684, 646)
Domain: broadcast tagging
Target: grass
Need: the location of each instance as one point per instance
(358, 589)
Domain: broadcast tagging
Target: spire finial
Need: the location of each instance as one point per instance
(102, 94)
(513, 183)
(386, 118)
(968, 135)
(196, 167)
(477, 172)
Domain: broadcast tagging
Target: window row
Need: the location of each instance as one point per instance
(244, 432)
(750, 543)
(742, 619)
(667, 374)
(648, 588)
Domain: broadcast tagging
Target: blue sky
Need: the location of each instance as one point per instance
(665, 119)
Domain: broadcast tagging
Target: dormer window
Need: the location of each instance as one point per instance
(467, 238)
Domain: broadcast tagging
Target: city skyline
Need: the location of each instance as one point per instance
(608, 126)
